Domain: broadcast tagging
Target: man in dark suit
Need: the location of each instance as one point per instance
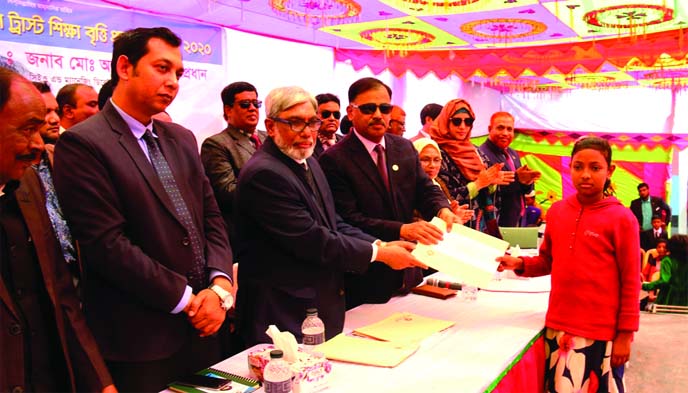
(293, 249)
(647, 206)
(496, 148)
(225, 153)
(649, 238)
(329, 113)
(377, 182)
(45, 344)
(151, 234)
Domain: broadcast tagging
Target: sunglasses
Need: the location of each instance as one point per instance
(369, 109)
(327, 114)
(456, 121)
(245, 104)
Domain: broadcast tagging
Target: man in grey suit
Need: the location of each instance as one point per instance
(157, 264)
(225, 153)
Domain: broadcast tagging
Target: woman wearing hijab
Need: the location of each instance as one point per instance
(463, 168)
(431, 160)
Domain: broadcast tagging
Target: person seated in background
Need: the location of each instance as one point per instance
(329, 113)
(463, 169)
(533, 214)
(649, 238)
(77, 102)
(397, 121)
(431, 160)
(50, 131)
(649, 269)
(673, 279)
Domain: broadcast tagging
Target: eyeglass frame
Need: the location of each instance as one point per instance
(337, 114)
(246, 104)
(310, 124)
(367, 110)
(465, 121)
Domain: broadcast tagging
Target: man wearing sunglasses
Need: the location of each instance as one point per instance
(496, 149)
(225, 153)
(377, 182)
(329, 113)
(397, 121)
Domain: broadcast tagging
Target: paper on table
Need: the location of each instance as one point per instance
(465, 254)
(366, 351)
(404, 327)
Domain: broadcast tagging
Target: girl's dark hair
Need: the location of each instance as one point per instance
(678, 248)
(601, 145)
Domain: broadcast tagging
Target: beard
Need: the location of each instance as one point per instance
(292, 152)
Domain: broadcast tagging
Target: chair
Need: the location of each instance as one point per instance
(524, 237)
(646, 257)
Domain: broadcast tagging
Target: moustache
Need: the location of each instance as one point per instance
(26, 157)
(378, 123)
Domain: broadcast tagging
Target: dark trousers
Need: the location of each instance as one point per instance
(153, 376)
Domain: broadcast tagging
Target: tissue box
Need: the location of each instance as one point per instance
(311, 373)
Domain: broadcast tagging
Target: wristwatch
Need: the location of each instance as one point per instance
(226, 298)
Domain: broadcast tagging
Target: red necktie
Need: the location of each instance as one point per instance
(256, 140)
(382, 165)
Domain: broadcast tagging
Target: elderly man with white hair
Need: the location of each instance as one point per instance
(292, 248)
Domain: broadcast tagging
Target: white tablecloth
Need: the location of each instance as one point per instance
(488, 335)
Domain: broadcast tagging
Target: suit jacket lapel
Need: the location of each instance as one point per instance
(393, 155)
(320, 180)
(241, 142)
(132, 147)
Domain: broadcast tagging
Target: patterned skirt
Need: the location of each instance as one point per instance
(578, 364)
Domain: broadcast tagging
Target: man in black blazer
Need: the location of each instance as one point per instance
(151, 234)
(647, 206)
(293, 249)
(329, 112)
(45, 344)
(378, 193)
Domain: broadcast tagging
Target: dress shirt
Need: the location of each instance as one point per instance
(370, 145)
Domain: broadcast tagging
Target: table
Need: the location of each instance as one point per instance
(494, 346)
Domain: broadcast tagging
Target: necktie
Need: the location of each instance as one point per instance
(382, 165)
(196, 276)
(57, 220)
(512, 167)
(256, 140)
(311, 183)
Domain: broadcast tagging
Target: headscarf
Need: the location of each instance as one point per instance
(422, 143)
(463, 153)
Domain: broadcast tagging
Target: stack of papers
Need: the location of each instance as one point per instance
(400, 333)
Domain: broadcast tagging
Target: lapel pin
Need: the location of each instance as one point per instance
(395, 167)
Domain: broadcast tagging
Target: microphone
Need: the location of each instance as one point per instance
(443, 284)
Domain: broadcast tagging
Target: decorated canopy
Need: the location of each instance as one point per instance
(525, 45)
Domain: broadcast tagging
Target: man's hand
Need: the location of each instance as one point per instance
(109, 389)
(489, 176)
(527, 176)
(421, 231)
(397, 255)
(462, 212)
(621, 348)
(449, 217)
(204, 312)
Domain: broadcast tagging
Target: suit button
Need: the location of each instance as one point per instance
(341, 292)
(15, 329)
(186, 241)
(17, 389)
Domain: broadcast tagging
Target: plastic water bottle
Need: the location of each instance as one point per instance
(541, 235)
(313, 330)
(277, 374)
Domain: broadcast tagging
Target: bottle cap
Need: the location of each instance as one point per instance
(276, 354)
(312, 311)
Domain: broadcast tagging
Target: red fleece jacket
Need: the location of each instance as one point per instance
(593, 256)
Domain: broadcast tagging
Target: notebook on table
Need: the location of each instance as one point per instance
(239, 384)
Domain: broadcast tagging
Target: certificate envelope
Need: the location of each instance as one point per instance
(464, 253)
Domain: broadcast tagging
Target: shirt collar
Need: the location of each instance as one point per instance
(135, 126)
(369, 145)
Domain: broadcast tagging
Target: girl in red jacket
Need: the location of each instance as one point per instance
(591, 250)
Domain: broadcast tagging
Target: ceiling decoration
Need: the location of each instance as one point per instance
(529, 45)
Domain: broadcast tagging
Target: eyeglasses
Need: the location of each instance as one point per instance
(456, 121)
(428, 160)
(245, 104)
(298, 125)
(327, 114)
(369, 109)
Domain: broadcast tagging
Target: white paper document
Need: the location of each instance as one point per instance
(465, 254)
